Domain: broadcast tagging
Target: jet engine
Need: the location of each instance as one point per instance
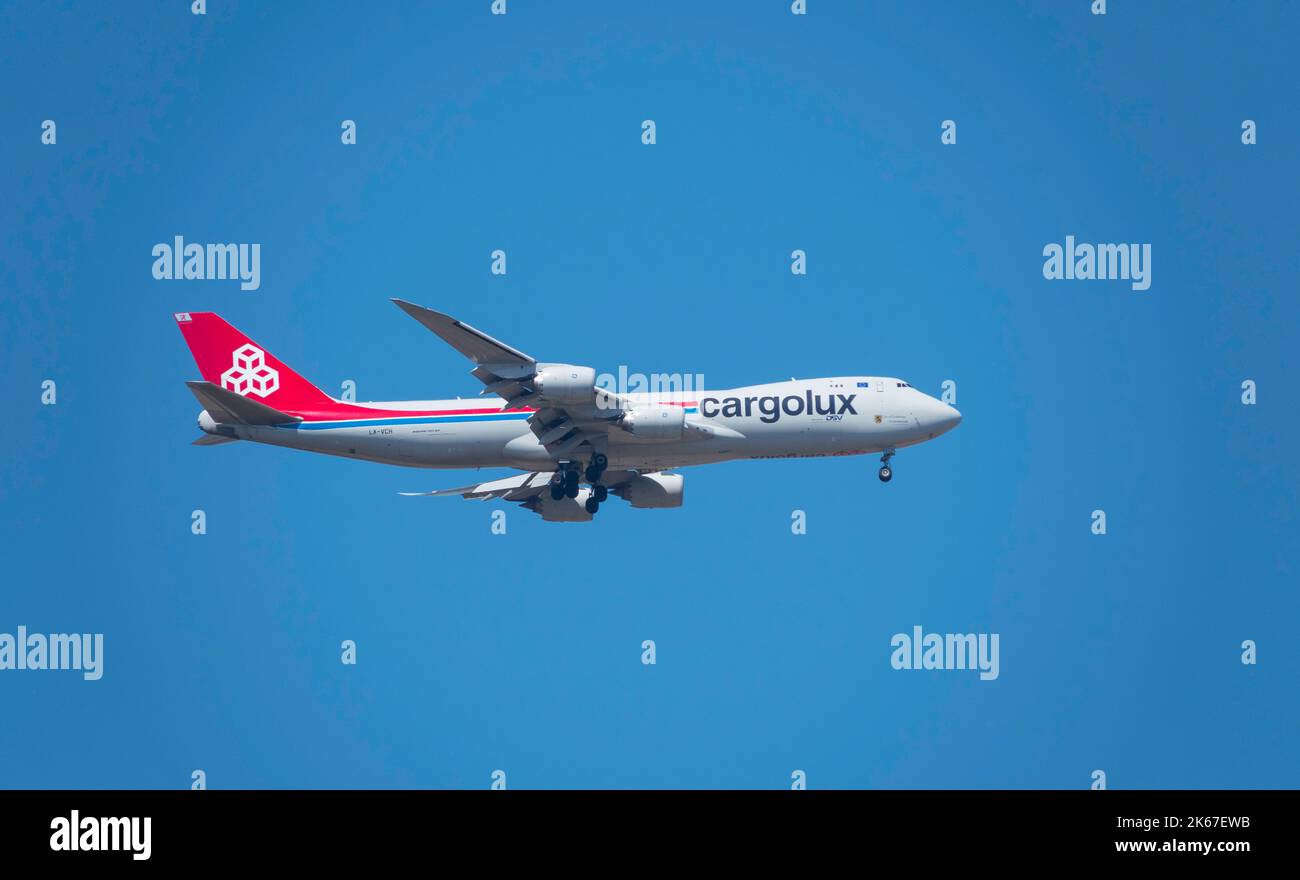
(565, 383)
(654, 421)
(564, 510)
(652, 490)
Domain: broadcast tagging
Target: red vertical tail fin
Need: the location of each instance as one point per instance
(228, 358)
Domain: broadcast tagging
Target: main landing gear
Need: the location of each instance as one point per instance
(596, 470)
(564, 483)
(599, 493)
(886, 472)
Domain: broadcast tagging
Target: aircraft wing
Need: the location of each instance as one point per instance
(516, 488)
(474, 344)
(562, 430)
(513, 375)
(520, 487)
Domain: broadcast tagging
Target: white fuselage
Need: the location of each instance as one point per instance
(796, 419)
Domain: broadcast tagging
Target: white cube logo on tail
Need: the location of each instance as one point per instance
(248, 373)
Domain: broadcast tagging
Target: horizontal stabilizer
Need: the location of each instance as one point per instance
(213, 440)
(227, 407)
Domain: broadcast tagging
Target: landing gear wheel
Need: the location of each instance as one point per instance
(557, 492)
(571, 491)
(594, 475)
(599, 492)
(592, 505)
(885, 473)
(600, 461)
(571, 484)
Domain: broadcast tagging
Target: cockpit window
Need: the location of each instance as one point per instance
(903, 385)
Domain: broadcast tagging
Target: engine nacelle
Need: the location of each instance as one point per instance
(653, 490)
(565, 383)
(654, 422)
(564, 510)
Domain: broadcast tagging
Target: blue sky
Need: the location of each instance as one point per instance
(521, 652)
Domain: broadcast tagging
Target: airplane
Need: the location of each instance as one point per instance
(575, 442)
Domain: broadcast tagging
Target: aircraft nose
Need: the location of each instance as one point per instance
(939, 417)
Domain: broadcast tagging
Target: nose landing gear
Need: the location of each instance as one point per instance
(886, 472)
